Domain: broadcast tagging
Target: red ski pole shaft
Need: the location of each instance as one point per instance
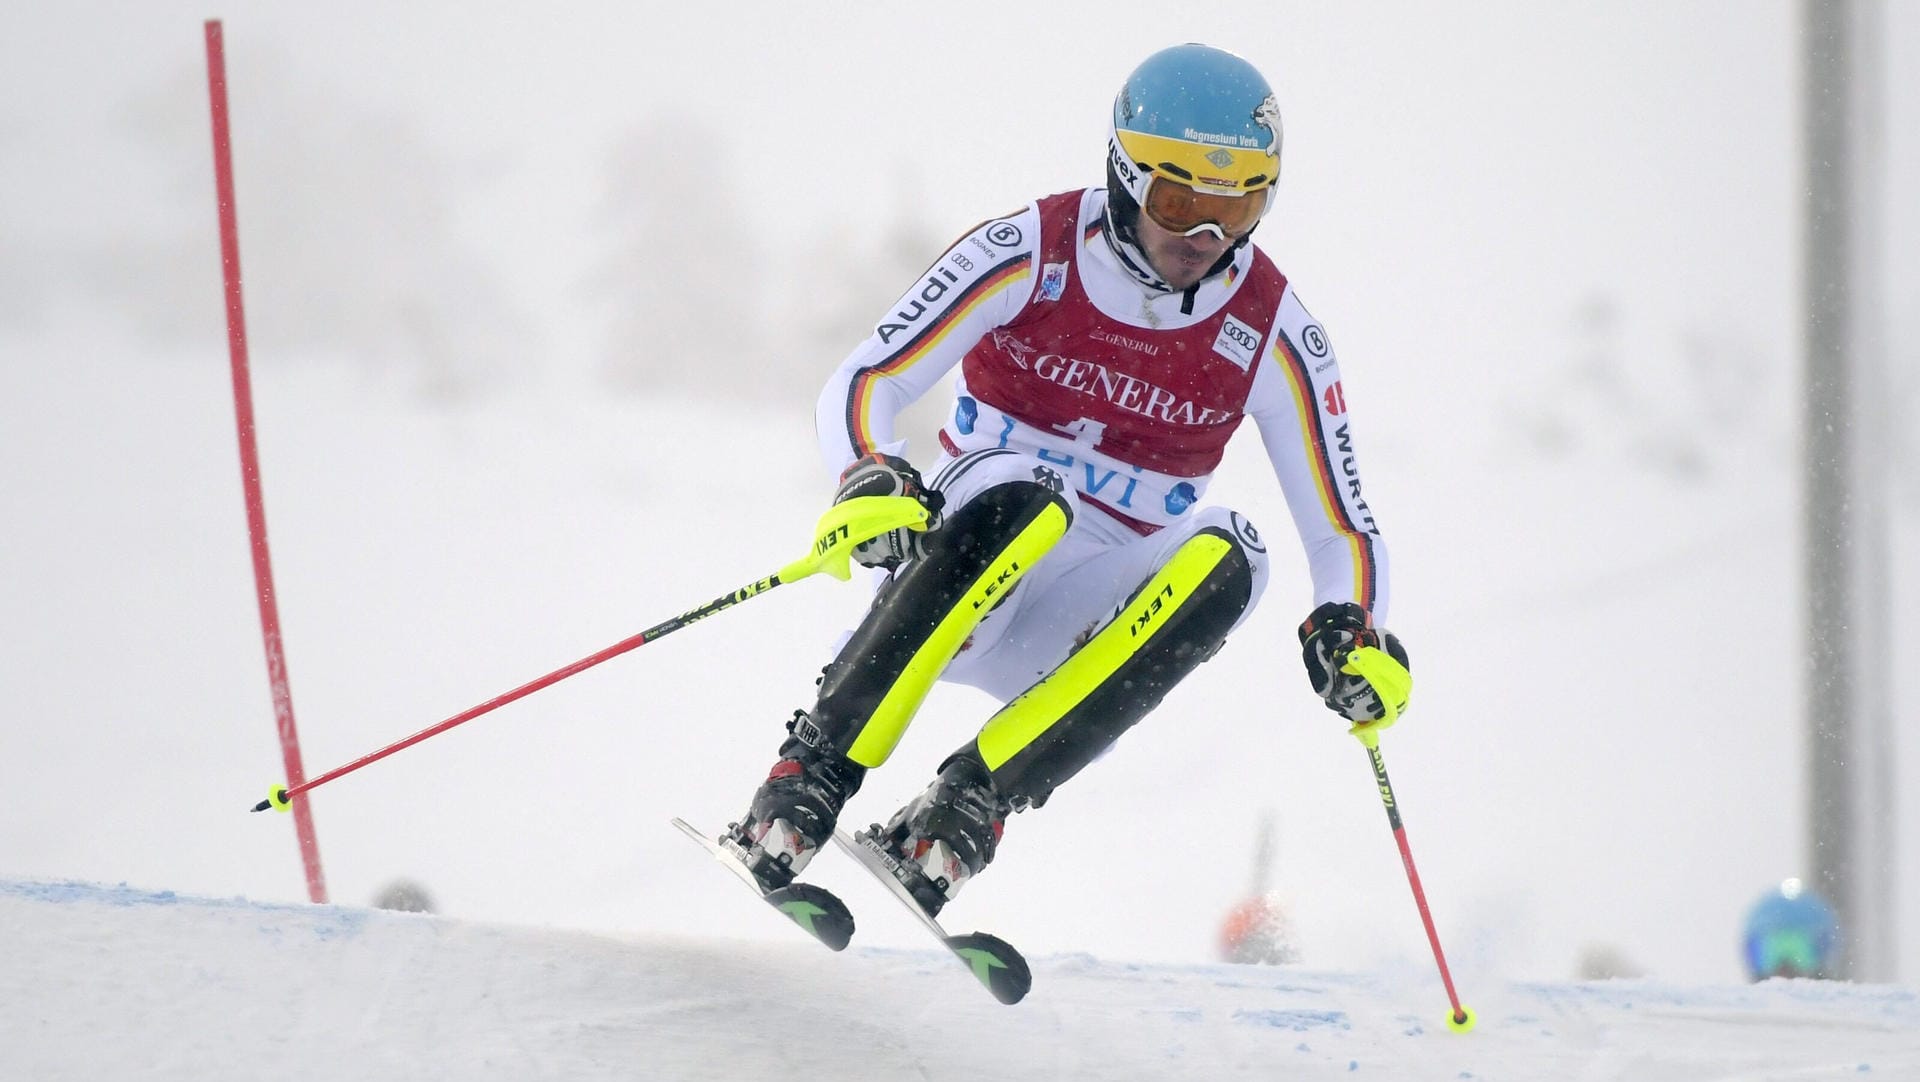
(843, 528)
(1460, 1018)
(280, 794)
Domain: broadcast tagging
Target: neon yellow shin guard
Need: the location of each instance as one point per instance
(871, 691)
(1176, 621)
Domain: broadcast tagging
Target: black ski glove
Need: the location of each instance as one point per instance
(886, 475)
(1328, 637)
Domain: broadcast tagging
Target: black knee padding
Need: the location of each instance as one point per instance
(913, 604)
(991, 519)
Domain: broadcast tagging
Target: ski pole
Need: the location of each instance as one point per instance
(1389, 677)
(844, 526)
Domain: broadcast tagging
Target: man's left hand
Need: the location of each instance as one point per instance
(1328, 641)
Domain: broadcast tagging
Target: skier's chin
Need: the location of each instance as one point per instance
(1182, 269)
(1185, 273)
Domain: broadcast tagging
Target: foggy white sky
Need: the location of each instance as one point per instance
(1462, 192)
(1507, 158)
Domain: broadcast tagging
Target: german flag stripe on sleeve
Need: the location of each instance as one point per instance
(1306, 403)
(860, 393)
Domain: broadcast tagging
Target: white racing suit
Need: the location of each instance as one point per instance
(1078, 574)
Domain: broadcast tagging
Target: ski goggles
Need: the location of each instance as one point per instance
(1177, 208)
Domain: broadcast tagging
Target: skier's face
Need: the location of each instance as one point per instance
(1181, 261)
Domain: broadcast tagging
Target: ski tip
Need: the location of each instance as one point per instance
(1002, 969)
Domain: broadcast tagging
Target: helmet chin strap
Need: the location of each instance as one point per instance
(1122, 216)
(1132, 257)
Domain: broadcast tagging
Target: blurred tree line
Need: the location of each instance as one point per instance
(695, 301)
(360, 240)
(1691, 403)
(349, 243)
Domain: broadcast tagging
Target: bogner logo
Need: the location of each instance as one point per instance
(935, 287)
(1151, 609)
(1315, 340)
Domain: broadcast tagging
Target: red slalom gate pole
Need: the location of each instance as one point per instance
(250, 461)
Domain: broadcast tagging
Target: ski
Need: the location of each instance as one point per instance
(992, 960)
(817, 910)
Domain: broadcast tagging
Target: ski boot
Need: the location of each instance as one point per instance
(794, 810)
(944, 836)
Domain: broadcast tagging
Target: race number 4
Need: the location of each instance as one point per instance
(1086, 431)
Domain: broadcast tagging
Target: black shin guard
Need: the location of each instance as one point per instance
(1178, 619)
(871, 690)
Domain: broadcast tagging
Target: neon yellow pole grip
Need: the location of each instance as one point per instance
(849, 524)
(1390, 680)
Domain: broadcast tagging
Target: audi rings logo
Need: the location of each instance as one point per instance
(1315, 340)
(1005, 234)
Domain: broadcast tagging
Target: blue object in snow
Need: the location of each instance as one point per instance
(1791, 932)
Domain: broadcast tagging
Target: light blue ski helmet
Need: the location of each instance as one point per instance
(1791, 932)
(1194, 115)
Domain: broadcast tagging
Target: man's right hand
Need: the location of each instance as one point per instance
(887, 475)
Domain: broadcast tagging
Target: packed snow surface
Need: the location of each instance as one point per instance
(117, 982)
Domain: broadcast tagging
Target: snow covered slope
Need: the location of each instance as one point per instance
(114, 982)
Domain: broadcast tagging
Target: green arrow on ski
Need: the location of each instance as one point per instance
(983, 962)
(803, 912)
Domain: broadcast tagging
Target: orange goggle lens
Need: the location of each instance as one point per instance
(1176, 207)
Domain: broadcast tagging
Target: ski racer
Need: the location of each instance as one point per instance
(1107, 342)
